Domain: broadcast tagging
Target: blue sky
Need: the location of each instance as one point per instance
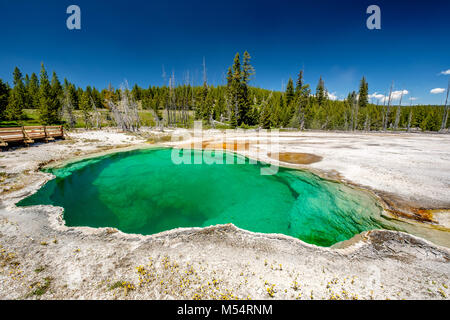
(132, 40)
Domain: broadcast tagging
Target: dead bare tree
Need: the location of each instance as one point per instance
(301, 116)
(170, 106)
(352, 110)
(173, 101)
(158, 120)
(301, 113)
(96, 115)
(367, 123)
(383, 114)
(398, 112)
(408, 129)
(345, 121)
(185, 101)
(355, 112)
(446, 107)
(125, 112)
(67, 109)
(388, 109)
(228, 107)
(166, 96)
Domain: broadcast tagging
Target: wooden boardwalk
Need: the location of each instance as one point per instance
(29, 134)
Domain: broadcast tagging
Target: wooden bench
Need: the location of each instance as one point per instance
(53, 132)
(35, 132)
(29, 134)
(14, 134)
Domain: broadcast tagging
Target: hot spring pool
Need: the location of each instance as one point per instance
(143, 191)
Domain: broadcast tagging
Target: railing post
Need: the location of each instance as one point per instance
(25, 136)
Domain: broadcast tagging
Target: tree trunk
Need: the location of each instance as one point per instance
(446, 107)
(388, 109)
(409, 120)
(398, 113)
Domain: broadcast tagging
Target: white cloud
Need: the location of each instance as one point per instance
(332, 96)
(446, 72)
(413, 98)
(437, 90)
(397, 94)
(381, 98)
(376, 95)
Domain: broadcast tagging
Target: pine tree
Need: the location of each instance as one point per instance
(209, 105)
(86, 107)
(136, 92)
(352, 105)
(289, 92)
(48, 107)
(277, 106)
(237, 103)
(17, 99)
(4, 95)
(265, 116)
(363, 99)
(97, 98)
(431, 121)
(238, 91)
(299, 84)
(67, 105)
(58, 96)
(255, 114)
(233, 120)
(57, 89)
(302, 93)
(219, 109)
(236, 85)
(203, 112)
(73, 96)
(245, 108)
(320, 92)
(116, 95)
(235, 91)
(229, 97)
(28, 98)
(33, 91)
(285, 114)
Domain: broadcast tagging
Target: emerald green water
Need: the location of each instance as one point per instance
(144, 192)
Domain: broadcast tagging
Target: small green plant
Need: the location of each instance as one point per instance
(39, 269)
(115, 285)
(40, 288)
(127, 286)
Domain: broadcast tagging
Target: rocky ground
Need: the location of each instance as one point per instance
(41, 258)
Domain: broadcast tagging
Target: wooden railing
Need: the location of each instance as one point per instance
(28, 134)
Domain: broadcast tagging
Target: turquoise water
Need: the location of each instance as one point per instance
(144, 192)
